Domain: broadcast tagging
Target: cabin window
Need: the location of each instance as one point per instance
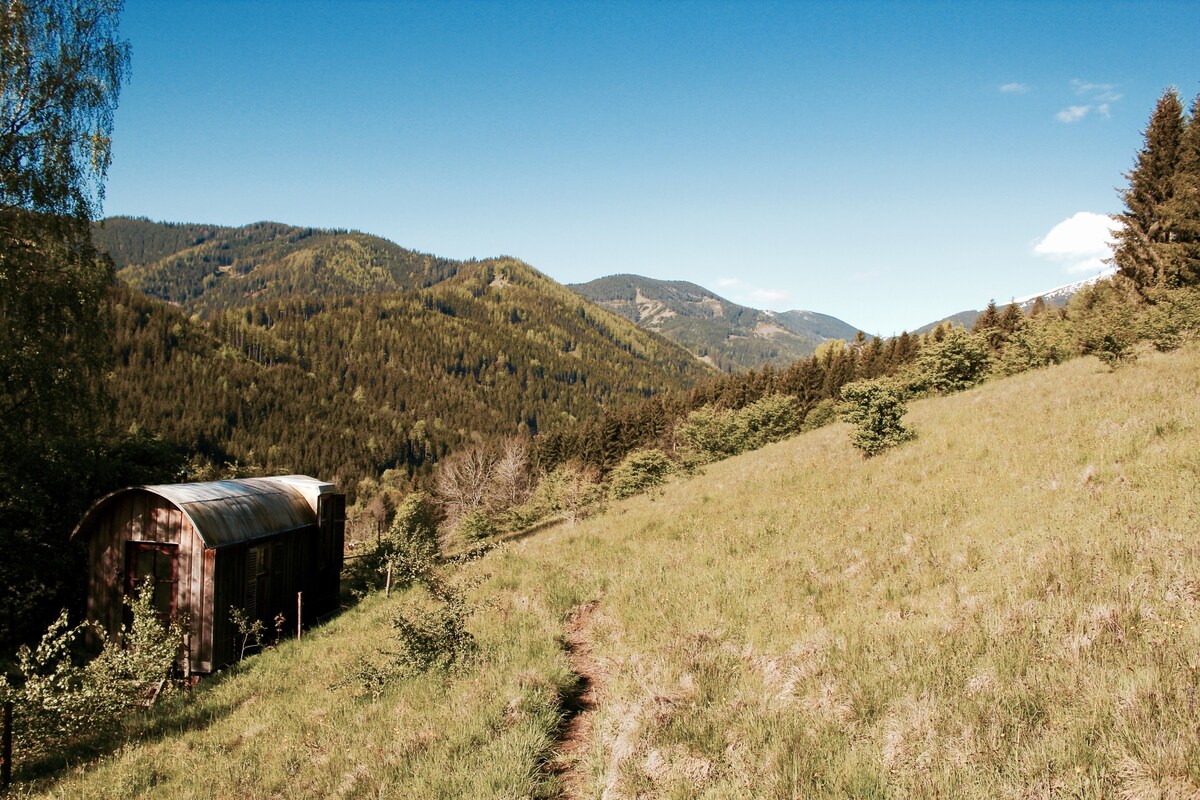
(258, 565)
(331, 515)
(155, 561)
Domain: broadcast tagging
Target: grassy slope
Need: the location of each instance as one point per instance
(1005, 607)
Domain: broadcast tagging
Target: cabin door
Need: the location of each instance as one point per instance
(155, 561)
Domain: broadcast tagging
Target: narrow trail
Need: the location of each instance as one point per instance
(576, 730)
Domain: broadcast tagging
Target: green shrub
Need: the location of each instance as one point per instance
(875, 408)
(771, 419)
(957, 362)
(476, 525)
(1037, 342)
(410, 546)
(715, 434)
(57, 702)
(1104, 317)
(820, 415)
(1173, 318)
(571, 489)
(432, 634)
(712, 433)
(640, 471)
(429, 632)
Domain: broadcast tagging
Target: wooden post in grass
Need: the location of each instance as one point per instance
(387, 590)
(6, 748)
(299, 595)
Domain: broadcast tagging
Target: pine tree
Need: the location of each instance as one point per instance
(990, 318)
(1139, 253)
(1182, 211)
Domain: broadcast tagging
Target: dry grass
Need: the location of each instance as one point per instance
(1005, 607)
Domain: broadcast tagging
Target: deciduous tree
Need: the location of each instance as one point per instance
(62, 63)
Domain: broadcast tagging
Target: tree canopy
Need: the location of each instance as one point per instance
(1158, 243)
(61, 68)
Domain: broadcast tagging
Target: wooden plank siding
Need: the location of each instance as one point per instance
(209, 580)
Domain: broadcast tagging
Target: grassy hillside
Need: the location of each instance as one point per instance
(1008, 606)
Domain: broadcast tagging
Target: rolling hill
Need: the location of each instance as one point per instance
(1005, 607)
(206, 269)
(724, 334)
(343, 355)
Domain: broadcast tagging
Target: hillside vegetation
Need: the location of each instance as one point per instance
(344, 355)
(1007, 606)
(211, 268)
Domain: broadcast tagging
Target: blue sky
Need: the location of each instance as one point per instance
(887, 163)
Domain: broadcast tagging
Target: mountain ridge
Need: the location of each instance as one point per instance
(722, 333)
(263, 352)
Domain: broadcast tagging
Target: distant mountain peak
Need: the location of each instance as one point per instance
(717, 331)
(1067, 290)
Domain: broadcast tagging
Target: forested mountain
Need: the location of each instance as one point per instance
(208, 268)
(726, 335)
(343, 355)
(810, 323)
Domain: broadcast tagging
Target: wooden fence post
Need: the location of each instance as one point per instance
(6, 748)
(387, 590)
(298, 620)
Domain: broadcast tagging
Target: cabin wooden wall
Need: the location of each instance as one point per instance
(290, 561)
(209, 582)
(145, 517)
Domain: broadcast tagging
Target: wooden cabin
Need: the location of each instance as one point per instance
(251, 543)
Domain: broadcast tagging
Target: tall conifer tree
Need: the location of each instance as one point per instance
(1139, 253)
(1182, 212)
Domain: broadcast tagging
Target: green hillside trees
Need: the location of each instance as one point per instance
(61, 68)
(1158, 243)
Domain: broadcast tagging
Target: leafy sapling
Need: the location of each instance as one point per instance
(875, 408)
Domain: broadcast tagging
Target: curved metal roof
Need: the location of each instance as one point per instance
(233, 511)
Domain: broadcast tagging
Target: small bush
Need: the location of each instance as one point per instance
(476, 525)
(823, 413)
(715, 434)
(1038, 342)
(410, 547)
(57, 702)
(711, 433)
(875, 408)
(1104, 317)
(957, 362)
(571, 489)
(1172, 319)
(771, 419)
(640, 471)
(430, 633)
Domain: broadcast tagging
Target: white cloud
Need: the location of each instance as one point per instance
(1099, 97)
(1080, 243)
(1072, 113)
(725, 283)
(1101, 92)
(1015, 88)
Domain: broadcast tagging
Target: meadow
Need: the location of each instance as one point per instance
(1006, 606)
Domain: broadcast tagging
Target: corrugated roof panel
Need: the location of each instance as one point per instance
(241, 510)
